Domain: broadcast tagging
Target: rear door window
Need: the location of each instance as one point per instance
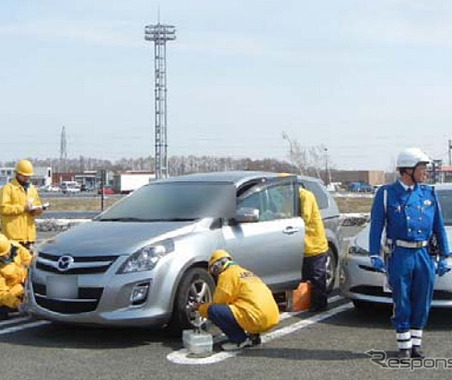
(319, 193)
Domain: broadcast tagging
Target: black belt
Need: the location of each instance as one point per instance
(26, 244)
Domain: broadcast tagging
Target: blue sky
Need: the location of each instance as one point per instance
(365, 78)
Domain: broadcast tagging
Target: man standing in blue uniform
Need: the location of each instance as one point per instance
(411, 215)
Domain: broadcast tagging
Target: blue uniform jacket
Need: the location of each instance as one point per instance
(410, 215)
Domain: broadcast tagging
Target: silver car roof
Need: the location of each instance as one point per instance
(236, 177)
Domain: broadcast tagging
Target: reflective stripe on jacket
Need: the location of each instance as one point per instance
(18, 224)
(250, 300)
(315, 242)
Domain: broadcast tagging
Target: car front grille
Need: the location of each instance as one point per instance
(377, 291)
(80, 265)
(66, 307)
(88, 299)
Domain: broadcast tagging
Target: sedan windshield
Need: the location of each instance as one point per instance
(445, 199)
(175, 201)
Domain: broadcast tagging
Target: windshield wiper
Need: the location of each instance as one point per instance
(178, 219)
(128, 219)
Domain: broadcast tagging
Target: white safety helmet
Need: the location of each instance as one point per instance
(410, 157)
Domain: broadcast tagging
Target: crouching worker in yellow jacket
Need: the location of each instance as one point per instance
(243, 306)
(14, 261)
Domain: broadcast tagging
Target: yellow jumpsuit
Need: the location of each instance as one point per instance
(249, 299)
(315, 242)
(17, 223)
(13, 275)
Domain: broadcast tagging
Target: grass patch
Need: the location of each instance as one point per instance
(345, 204)
(353, 204)
(79, 204)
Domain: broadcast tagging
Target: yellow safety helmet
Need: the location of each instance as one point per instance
(5, 245)
(24, 167)
(221, 257)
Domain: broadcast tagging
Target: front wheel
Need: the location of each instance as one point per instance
(196, 284)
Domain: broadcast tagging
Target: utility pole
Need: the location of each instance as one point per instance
(63, 150)
(450, 148)
(327, 169)
(160, 34)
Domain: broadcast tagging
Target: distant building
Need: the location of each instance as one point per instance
(443, 174)
(371, 177)
(90, 179)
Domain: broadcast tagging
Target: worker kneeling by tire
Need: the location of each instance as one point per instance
(243, 306)
(14, 261)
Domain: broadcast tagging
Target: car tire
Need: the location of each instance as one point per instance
(196, 282)
(331, 270)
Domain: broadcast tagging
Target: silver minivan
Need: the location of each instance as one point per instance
(142, 260)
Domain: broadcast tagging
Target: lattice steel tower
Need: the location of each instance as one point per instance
(159, 34)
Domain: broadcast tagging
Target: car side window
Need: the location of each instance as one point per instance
(320, 195)
(273, 202)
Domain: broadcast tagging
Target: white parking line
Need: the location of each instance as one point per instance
(23, 327)
(181, 356)
(13, 320)
(287, 314)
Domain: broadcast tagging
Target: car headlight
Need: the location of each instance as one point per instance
(146, 258)
(356, 250)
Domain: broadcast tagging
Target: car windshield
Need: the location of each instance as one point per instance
(175, 201)
(445, 199)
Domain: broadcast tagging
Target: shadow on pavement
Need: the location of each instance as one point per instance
(304, 354)
(65, 336)
(379, 316)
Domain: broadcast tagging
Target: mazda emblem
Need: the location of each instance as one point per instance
(64, 263)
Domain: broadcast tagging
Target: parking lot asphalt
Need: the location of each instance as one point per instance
(340, 343)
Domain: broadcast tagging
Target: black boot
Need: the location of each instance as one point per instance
(4, 313)
(255, 339)
(416, 352)
(404, 353)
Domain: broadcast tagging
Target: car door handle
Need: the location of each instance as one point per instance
(290, 230)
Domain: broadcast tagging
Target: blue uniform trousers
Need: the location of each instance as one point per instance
(222, 317)
(412, 278)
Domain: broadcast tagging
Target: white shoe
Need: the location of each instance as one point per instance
(229, 346)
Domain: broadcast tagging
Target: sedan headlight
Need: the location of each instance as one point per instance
(146, 258)
(356, 250)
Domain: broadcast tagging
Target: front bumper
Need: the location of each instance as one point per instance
(101, 299)
(358, 281)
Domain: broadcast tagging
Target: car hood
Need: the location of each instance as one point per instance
(362, 238)
(112, 238)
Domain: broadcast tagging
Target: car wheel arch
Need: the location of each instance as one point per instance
(177, 320)
(335, 253)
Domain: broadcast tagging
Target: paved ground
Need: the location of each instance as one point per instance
(329, 345)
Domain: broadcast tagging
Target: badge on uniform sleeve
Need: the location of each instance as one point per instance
(428, 202)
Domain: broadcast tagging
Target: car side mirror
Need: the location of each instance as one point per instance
(246, 215)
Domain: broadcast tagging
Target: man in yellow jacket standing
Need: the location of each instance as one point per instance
(243, 306)
(14, 261)
(19, 205)
(315, 249)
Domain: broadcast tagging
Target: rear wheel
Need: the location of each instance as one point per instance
(331, 269)
(196, 285)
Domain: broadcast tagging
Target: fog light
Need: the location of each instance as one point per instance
(139, 294)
